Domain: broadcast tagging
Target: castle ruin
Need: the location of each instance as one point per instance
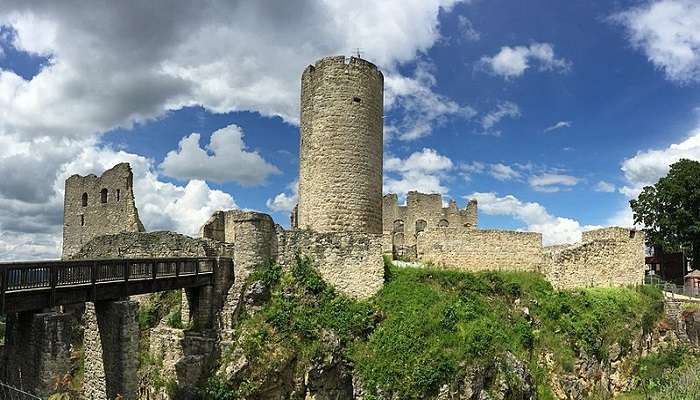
(342, 223)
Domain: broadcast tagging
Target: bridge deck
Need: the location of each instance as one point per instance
(35, 285)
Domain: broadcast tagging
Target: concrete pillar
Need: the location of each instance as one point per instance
(37, 350)
(111, 350)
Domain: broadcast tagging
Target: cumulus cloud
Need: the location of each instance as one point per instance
(224, 159)
(504, 110)
(605, 187)
(646, 167)
(116, 64)
(31, 228)
(558, 125)
(414, 107)
(555, 230)
(285, 202)
(549, 182)
(668, 32)
(503, 172)
(424, 171)
(511, 62)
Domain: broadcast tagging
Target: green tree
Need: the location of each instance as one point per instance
(670, 210)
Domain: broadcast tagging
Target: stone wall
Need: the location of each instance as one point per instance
(111, 350)
(351, 262)
(252, 236)
(427, 208)
(95, 206)
(478, 250)
(37, 350)
(340, 169)
(605, 257)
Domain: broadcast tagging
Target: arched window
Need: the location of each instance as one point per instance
(103, 196)
(119, 192)
(443, 223)
(85, 199)
(398, 226)
(82, 220)
(421, 225)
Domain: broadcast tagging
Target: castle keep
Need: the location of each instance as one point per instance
(340, 165)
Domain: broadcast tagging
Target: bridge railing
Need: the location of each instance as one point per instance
(50, 275)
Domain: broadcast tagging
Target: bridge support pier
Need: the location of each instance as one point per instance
(111, 350)
(37, 350)
(197, 307)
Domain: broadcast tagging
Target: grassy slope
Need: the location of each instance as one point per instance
(426, 325)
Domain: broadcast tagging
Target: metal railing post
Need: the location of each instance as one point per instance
(126, 278)
(93, 280)
(53, 278)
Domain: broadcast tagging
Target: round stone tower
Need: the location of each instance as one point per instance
(340, 171)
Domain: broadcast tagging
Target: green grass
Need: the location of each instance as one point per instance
(426, 325)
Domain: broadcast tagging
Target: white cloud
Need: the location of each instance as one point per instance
(228, 162)
(284, 202)
(558, 125)
(503, 172)
(116, 64)
(549, 182)
(414, 107)
(424, 171)
(31, 227)
(605, 187)
(511, 62)
(668, 32)
(467, 29)
(646, 167)
(555, 230)
(504, 110)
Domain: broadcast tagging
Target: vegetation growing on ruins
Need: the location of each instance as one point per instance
(427, 327)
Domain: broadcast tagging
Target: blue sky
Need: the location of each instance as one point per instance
(552, 114)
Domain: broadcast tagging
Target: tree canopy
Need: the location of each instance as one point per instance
(670, 210)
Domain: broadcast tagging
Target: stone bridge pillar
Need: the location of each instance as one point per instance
(37, 350)
(111, 350)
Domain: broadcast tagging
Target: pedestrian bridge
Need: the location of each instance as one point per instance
(37, 285)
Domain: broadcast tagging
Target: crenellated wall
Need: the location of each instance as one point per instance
(479, 250)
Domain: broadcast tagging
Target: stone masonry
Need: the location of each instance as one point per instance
(340, 178)
(95, 206)
(37, 350)
(422, 211)
(111, 350)
(479, 250)
(605, 257)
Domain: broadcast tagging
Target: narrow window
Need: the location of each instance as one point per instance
(632, 234)
(443, 223)
(103, 196)
(119, 192)
(421, 225)
(398, 226)
(356, 99)
(85, 199)
(82, 220)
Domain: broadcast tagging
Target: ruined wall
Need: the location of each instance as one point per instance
(477, 250)
(340, 171)
(428, 208)
(37, 350)
(605, 257)
(253, 237)
(95, 206)
(351, 262)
